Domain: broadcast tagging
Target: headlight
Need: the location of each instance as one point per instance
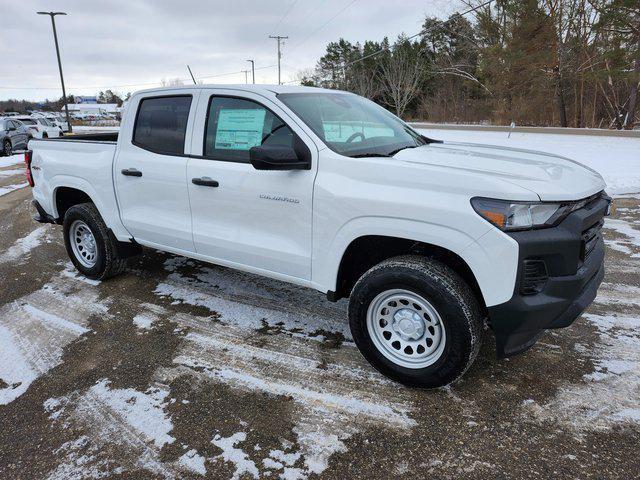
(509, 216)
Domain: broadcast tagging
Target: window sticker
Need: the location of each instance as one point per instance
(239, 129)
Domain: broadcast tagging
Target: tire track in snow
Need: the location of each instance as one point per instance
(35, 329)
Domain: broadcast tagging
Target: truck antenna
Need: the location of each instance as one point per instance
(192, 77)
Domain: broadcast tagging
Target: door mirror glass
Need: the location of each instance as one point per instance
(275, 157)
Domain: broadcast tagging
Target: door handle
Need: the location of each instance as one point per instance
(205, 182)
(131, 172)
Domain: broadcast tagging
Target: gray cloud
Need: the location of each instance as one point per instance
(124, 45)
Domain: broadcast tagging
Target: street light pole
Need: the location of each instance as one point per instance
(55, 38)
(253, 71)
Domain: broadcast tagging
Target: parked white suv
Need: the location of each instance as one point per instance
(40, 127)
(431, 241)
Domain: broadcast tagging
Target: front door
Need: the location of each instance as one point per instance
(241, 216)
(150, 171)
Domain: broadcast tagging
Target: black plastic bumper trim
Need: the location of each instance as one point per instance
(41, 216)
(572, 285)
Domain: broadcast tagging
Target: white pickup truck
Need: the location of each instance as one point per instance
(431, 241)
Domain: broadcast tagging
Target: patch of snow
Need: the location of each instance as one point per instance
(35, 329)
(631, 234)
(24, 245)
(611, 394)
(71, 272)
(622, 173)
(143, 322)
(193, 462)
(11, 172)
(230, 453)
(12, 160)
(11, 188)
(130, 422)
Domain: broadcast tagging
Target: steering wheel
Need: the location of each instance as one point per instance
(354, 136)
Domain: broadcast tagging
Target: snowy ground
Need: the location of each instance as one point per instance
(617, 159)
(179, 369)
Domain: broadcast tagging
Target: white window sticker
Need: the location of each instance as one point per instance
(240, 129)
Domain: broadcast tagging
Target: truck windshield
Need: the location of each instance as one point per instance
(352, 125)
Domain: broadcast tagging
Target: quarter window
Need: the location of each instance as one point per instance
(161, 124)
(236, 125)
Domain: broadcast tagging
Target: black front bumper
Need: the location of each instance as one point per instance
(573, 255)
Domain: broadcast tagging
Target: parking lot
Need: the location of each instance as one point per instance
(179, 369)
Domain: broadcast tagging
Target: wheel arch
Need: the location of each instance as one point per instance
(366, 251)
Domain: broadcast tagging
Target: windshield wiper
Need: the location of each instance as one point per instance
(363, 155)
(391, 154)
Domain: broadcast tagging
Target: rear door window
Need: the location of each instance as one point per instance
(235, 125)
(161, 124)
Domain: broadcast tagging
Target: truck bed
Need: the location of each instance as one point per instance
(109, 137)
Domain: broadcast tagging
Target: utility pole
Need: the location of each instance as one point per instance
(246, 78)
(278, 38)
(55, 38)
(253, 71)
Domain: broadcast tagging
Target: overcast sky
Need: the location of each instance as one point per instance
(128, 45)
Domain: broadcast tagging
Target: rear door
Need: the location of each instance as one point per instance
(19, 135)
(260, 220)
(150, 170)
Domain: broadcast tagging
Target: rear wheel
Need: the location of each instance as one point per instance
(89, 246)
(416, 321)
(6, 148)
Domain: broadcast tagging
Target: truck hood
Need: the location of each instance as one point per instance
(551, 177)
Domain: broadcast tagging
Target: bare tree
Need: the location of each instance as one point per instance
(400, 78)
(171, 82)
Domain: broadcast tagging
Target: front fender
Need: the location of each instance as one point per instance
(492, 258)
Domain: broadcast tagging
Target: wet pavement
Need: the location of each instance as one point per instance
(180, 369)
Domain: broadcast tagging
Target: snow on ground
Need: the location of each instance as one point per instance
(610, 394)
(616, 159)
(23, 246)
(11, 188)
(11, 160)
(35, 329)
(122, 418)
(11, 172)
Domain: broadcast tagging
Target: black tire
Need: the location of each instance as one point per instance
(108, 262)
(45, 135)
(446, 291)
(7, 150)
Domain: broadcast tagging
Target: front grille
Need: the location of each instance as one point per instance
(534, 277)
(590, 239)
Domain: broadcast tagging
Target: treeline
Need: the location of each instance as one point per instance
(25, 106)
(572, 63)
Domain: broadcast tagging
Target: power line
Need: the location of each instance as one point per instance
(102, 87)
(421, 32)
(293, 4)
(323, 25)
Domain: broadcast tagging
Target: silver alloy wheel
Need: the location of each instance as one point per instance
(83, 243)
(406, 328)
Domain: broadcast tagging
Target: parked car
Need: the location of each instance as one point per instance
(56, 119)
(40, 127)
(10, 114)
(13, 136)
(429, 240)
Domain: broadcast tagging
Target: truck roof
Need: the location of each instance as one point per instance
(261, 88)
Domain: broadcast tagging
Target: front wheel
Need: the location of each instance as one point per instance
(6, 148)
(416, 321)
(89, 246)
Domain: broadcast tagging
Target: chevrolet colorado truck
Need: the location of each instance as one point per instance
(432, 242)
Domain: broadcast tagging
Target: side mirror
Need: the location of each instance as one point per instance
(280, 158)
